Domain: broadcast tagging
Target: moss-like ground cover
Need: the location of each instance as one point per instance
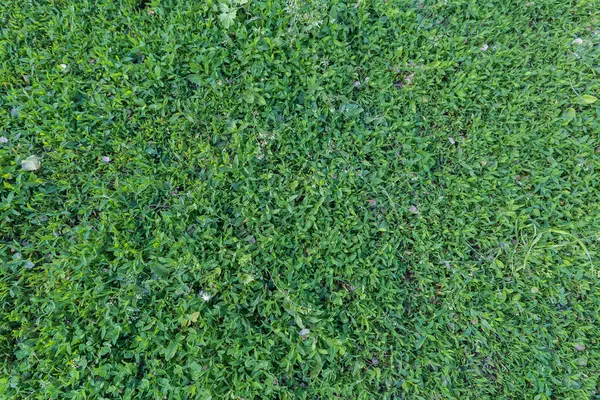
(313, 199)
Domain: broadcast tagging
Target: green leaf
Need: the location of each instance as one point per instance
(104, 350)
(317, 367)
(588, 99)
(569, 115)
(227, 18)
(195, 79)
(171, 350)
(248, 97)
(246, 278)
(193, 317)
(351, 110)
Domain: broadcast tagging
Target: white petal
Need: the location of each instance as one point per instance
(31, 163)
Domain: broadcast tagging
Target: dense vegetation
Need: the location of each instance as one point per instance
(312, 199)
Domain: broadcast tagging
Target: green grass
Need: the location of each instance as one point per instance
(313, 199)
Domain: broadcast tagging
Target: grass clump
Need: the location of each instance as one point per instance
(312, 199)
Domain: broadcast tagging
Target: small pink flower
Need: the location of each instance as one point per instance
(413, 209)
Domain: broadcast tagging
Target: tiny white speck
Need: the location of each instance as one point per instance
(63, 66)
(451, 140)
(106, 159)
(3, 139)
(578, 41)
(204, 295)
(484, 47)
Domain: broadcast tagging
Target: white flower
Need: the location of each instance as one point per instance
(580, 347)
(304, 333)
(3, 139)
(205, 295)
(484, 47)
(106, 159)
(31, 163)
(578, 41)
(63, 66)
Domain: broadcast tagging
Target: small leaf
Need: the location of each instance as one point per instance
(171, 350)
(194, 316)
(195, 79)
(31, 163)
(588, 99)
(227, 18)
(317, 367)
(351, 110)
(195, 67)
(246, 278)
(569, 115)
(248, 97)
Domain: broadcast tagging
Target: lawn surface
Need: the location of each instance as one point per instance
(312, 199)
